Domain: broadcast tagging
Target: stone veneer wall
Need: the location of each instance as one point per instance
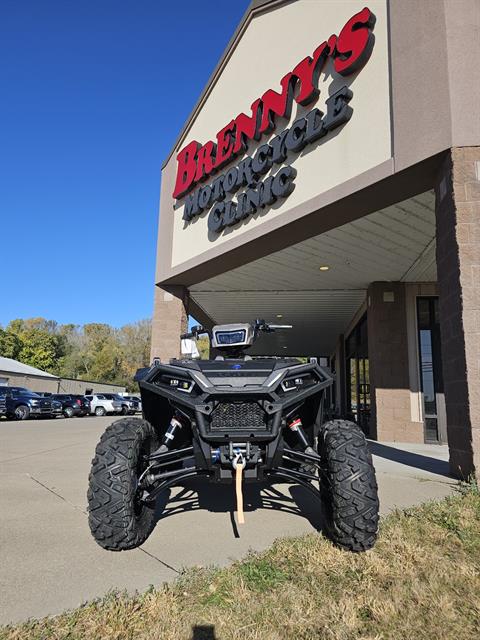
(458, 263)
(389, 371)
(170, 319)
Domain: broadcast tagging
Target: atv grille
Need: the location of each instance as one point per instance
(238, 416)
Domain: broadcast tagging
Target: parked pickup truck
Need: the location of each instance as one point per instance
(3, 405)
(136, 403)
(100, 405)
(22, 403)
(127, 405)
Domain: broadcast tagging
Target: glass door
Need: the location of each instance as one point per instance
(358, 376)
(430, 365)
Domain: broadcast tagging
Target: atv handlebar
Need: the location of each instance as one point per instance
(280, 326)
(261, 325)
(258, 325)
(194, 332)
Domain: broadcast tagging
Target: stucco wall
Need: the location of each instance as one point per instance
(34, 383)
(426, 56)
(257, 64)
(81, 386)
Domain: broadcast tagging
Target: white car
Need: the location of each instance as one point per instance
(100, 405)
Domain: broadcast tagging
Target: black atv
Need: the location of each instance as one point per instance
(231, 419)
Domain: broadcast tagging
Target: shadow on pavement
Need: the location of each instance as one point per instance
(410, 459)
(199, 494)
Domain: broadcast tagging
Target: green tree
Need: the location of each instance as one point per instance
(39, 349)
(16, 326)
(10, 344)
(203, 346)
(134, 342)
(40, 345)
(71, 339)
(94, 351)
(100, 353)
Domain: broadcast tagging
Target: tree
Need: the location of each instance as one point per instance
(100, 353)
(203, 346)
(38, 343)
(134, 341)
(39, 349)
(10, 344)
(16, 326)
(94, 351)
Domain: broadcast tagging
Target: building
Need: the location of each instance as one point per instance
(17, 374)
(329, 175)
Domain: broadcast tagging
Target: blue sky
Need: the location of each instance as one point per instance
(94, 93)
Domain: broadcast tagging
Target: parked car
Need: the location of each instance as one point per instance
(137, 403)
(73, 405)
(100, 405)
(22, 403)
(127, 407)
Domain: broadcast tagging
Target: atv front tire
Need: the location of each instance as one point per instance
(117, 519)
(348, 486)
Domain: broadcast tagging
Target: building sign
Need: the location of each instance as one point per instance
(196, 163)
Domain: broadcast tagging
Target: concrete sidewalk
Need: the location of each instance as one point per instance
(49, 562)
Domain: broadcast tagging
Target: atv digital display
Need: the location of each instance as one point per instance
(230, 337)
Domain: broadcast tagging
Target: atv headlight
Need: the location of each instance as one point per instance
(290, 385)
(299, 382)
(179, 384)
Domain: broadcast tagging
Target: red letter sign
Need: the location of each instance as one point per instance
(187, 167)
(355, 43)
(349, 51)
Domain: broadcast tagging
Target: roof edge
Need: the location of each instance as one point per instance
(46, 376)
(255, 7)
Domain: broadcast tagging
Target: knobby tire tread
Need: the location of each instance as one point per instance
(349, 487)
(112, 487)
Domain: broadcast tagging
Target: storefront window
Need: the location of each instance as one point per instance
(429, 363)
(358, 372)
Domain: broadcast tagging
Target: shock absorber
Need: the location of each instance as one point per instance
(296, 427)
(169, 434)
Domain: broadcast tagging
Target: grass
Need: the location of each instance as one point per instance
(421, 581)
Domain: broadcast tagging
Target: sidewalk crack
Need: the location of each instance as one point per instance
(38, 453)
(58, 495)
(165, 564)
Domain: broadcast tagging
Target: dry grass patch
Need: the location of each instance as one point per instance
(422, 581)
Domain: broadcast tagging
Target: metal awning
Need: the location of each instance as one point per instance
(393, 244)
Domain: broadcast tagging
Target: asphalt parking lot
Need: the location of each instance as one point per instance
(49, 562)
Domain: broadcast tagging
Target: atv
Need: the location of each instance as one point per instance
(232, 419)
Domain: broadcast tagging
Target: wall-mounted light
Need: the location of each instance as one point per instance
(324, 267)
